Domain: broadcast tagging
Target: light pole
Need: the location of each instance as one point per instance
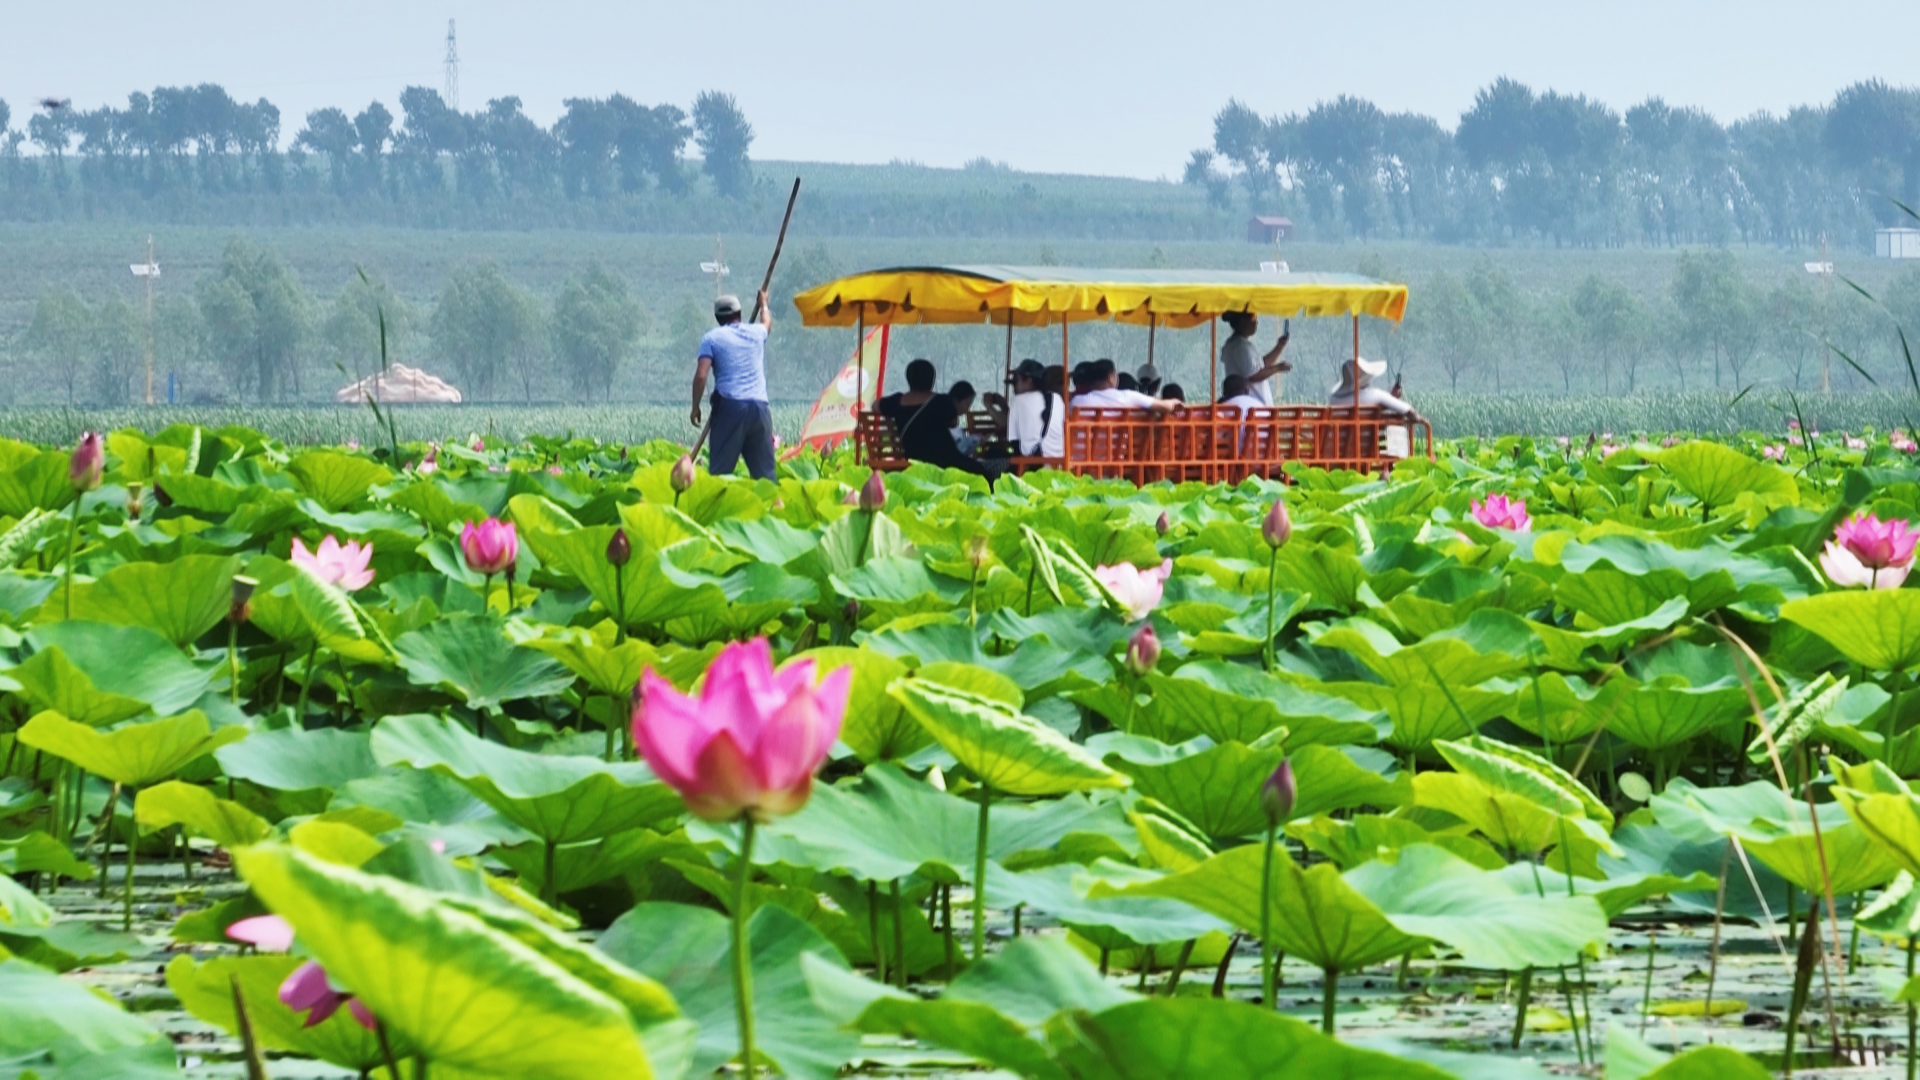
(148, 270)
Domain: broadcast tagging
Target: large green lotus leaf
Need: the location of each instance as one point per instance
(1217, 1039)
(1109, 921)
(877, 727)
(1235, 703)
(429, 499)
(1884, 807)
(1777, 831)
(329, 616)
(1213, 787)
(1560, 709)
(890, 588)
(41, 482)
(19, 595)
(292, 759)
(757, 593)
(1464, 656)
(1665, 712)
(1423, 713)
(174, 803)
(459, 988)
(1509, 819)
(1716, 474)
(1491, 921)
(1316, 915)
(711, 499)
(885, 825)
(434, 806)
(68, 944)
(593, 656)
(135, 755)
(989, 1011)
(1711, 1063)
(1876, 628)
(40, 851)
(337, 480)
(1037, 667)
(1615, 893)
(580, 552)
(179, 600)
(1895, 914)
(1653, 849)
(1246, 634)
(580, 866)
(1503, 767)
(44, 1010)
(1332, 576)
(1604, 596)
(1007, 750)
(98, 674)
(1364, 837)
(472, 655)
(206, 991)
(562, 800)
(690, 951)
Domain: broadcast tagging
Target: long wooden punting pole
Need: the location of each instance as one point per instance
(765, 284)
(1213, 367)
(860, 387)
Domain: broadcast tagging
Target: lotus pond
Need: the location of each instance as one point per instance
(525, 760)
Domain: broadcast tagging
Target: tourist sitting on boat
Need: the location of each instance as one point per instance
(1149, 379)
(1096, 387)
(925, 421)
(1034, 415)
(1369, 394)
(1173, 391)
(1233, 390)
(961, 393)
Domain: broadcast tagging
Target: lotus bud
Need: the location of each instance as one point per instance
(1278, 795)
(977, 551)
(1278, 527)
(242, 608)
(852, 498)
(89, 462)
(619, 548)
(852, 612)
(160, 496)
(937, 779)
(623, 453)
(1161, 526)
(682, 476)
(134, 505)
(1143, 652)
(873, 493)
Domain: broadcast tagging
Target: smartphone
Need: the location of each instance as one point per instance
(1286, 327)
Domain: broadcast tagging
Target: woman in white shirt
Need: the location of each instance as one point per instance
(1035, 417)
(1240, 356)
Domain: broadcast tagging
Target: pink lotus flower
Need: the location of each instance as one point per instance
(479, 444)
(430, 463)
(748, 745)
(682, 475)
(1795, 440)
(307, 989)
(1793, 425)
(1902, 442)
(1607, 450)
(555, 470)
(1878, 544)
(1856, 444)
(353, 444)
(1140, 590)
(88, 463)
(1499, 512)
(1775, 452)
(491, 546)
(335, 563)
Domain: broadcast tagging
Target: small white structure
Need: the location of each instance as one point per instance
(401, 384)
(1897, 243)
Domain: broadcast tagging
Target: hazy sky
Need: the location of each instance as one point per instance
(1117, 87)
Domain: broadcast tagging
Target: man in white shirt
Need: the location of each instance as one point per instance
(1095, 383)
(1240, 357)
(1234, 387)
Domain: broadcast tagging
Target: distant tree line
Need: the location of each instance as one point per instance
(1568, 170)
(185, 141)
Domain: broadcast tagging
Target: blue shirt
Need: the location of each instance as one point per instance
(739, 355)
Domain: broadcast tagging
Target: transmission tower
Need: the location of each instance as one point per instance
(452, 93)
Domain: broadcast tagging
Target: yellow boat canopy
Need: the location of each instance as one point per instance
(1046, 295)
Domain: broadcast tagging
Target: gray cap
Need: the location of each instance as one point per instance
(726, 305)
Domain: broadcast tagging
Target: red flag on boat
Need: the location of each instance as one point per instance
(832, 419)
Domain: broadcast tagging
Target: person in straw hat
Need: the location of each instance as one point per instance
(1369, 394)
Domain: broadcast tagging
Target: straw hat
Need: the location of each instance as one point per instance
(1369, 370)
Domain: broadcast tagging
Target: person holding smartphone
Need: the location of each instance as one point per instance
(1239, 356)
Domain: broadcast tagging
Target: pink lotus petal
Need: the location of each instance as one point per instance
(268, 933)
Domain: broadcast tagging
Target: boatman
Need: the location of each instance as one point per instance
(736, 355)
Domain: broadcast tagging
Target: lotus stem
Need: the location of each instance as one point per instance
(1017, 909)
(1266, 922)
(510, 569)
(1220, 973)
(186, 851)
(1646, 991)
(946, 925)
(742, 959)
(1522, 1001)
(386, 1050)
(73, 548)
(1032, 572)
(548, 893)
(133, 859)
(1579, 1048)
(1328, 999)
(1893, 720)
(980, 876)
(233, 661)
(866, 538)
(306, 685)
(900, 936)
(1180, 966)
(873, 932)
(1273, 573)
(1913, 1014)
(106, 840)
(620, 600)
(1719, 912)
(249, 1043)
